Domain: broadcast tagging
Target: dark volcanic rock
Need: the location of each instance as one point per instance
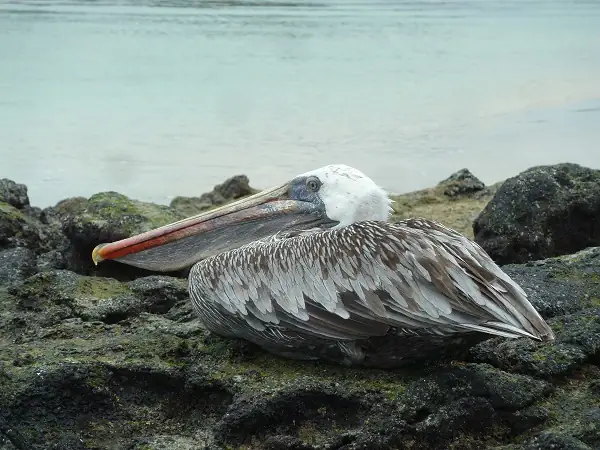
(545, 211)
(62, 294)
(67, 233)
(461, 183)
(16, 264)
(577, 341)
(19, 230)
(92, 362)
(567, 291)
(558, 286)
(51, 260)
(231, 189)
(14, 194)
(22, 225)
(122, 362)
(555, 441)
(110, 216)
(503, 390)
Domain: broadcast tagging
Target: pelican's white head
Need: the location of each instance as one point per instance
(348, 195)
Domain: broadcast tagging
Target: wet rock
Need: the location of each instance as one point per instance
(432, 410)
(589, 427)
(98, 362)
(110, 216)
(161, 291)
(471, 414)
(317, 407)
(16, 264)
(566, 291)
(11, 440)
(461, 183)
(63, 209)
(231, 189)
(14, 194)
(95, 395)
(286, 443)
(544, 211)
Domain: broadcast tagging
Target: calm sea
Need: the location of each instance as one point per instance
(160, 98)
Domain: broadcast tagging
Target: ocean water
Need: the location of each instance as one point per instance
(162, 98)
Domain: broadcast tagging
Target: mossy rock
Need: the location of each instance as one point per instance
(110, 216)
(106, 217)
(20, 230)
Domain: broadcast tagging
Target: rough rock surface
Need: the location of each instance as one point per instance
(17, 229)
(455, 201)
(96, 362)
(107, 217)
(462, 182)
(231, 189)
(542, 212)
(15, 194)
(16, 263)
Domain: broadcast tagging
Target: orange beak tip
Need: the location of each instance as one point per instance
(96, 254)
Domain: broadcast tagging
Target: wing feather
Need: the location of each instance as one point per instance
(360, 280)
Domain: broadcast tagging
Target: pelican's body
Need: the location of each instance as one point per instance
(333, 279)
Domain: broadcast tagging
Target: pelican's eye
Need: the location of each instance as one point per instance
(313, 184)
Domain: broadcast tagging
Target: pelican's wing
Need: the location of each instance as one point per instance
(358, 281)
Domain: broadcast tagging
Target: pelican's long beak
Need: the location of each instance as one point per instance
(183, 243)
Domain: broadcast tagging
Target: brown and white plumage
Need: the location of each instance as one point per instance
(355, 290)
(416, 276)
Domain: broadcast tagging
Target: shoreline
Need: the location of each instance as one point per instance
(524, 151)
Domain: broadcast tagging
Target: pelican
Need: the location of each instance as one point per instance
(313, 269)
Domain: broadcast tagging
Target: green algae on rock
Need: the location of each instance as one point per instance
(106, 217)
(109, 216)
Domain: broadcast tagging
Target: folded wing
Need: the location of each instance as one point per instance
(414, 276)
